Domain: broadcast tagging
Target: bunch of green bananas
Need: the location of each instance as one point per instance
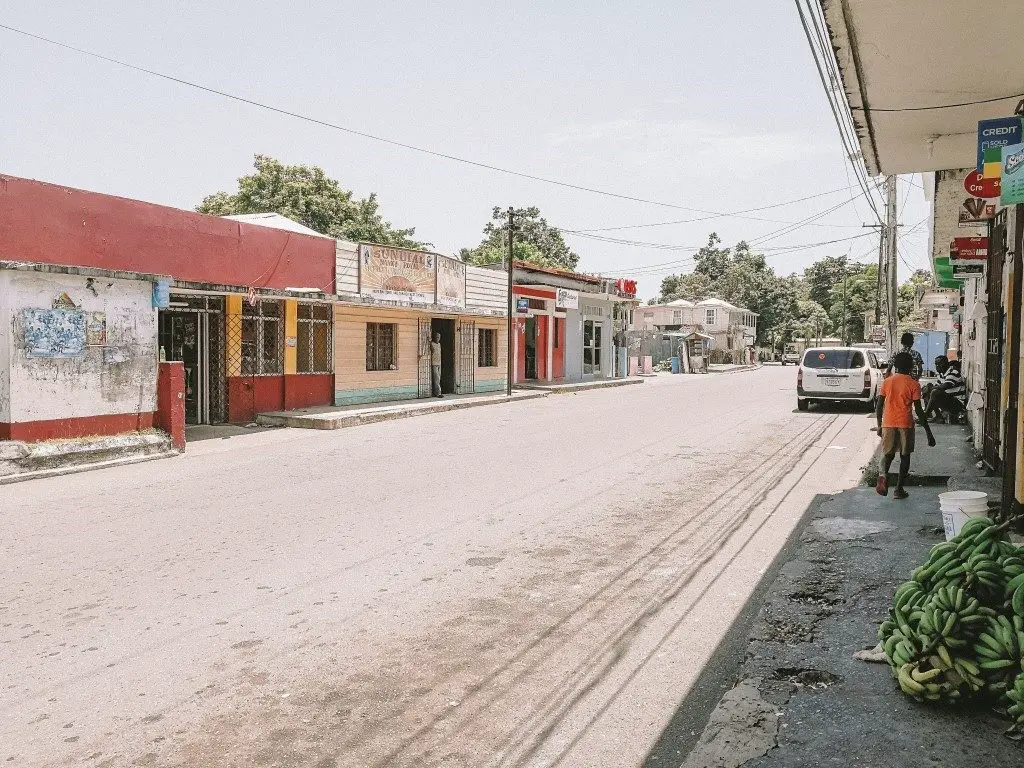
(999, 649)
(1015, 710)
(1014, 594)
(926, 682)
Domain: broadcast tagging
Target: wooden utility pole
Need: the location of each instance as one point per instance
(891, 252)
(509, 351)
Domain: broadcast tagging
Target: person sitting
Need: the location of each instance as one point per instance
(948, 397)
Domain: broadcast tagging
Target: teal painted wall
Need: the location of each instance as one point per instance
(374, 395)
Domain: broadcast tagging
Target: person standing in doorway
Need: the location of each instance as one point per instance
(435, 366)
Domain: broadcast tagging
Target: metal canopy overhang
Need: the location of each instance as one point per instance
(900, 54)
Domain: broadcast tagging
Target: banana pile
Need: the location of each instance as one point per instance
(956, 629)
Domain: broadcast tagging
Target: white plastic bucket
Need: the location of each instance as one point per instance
(958, 507)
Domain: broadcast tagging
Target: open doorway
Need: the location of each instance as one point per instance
(447, 330)
(530, 339)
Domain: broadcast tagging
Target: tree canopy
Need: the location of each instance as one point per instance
(816, 304)
(309, 196)
(534, 240)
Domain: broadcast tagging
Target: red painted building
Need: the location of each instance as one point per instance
(248, 311)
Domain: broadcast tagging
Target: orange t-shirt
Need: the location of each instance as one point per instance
(900, 391)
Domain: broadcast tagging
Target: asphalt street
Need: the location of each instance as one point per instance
(531, 584)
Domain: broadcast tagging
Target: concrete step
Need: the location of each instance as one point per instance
(25, 461)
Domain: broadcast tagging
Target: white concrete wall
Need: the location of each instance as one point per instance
(118, 378)
(486, 289)
(346, 267)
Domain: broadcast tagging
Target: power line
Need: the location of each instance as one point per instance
(731, 214)
(346, 129)
(954, 105)
(823, 58)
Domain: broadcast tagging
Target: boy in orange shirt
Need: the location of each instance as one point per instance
(898, 399)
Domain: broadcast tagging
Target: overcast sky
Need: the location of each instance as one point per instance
(716, 108)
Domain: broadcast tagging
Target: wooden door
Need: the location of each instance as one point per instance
(423, 365)
(466, 382)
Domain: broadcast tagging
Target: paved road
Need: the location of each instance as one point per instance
(533, 584)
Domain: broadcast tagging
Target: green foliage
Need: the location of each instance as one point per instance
(307, 195)
(910, 314)
(535, 241)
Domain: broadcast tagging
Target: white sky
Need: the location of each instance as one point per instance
(680, 102)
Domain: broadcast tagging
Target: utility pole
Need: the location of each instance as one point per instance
(890, 255)
(511, 302)
(843, 335)
(878, 286)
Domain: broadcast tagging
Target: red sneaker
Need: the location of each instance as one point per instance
(882, 486)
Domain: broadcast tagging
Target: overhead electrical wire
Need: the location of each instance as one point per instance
(823, 57)
(730, 214)
(953, 105)
(346, 129)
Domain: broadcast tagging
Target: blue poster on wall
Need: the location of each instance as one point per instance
(54, 332)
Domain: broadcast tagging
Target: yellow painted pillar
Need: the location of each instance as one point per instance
(291, 332)
(233, 335)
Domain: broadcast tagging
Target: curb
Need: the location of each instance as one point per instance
(344, 422)
(741, 369)
(585, 387)
(40, 474)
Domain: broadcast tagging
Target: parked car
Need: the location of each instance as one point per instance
(838, 374)
(791, 354)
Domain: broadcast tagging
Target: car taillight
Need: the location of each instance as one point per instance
(867, 378)
(799, 377)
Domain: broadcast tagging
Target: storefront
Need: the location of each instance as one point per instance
(392, 302)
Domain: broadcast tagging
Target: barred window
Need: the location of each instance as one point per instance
(262, 339)
(487, 348)
(381, 346)
(314, 339)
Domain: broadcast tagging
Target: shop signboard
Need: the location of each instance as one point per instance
(522, 306)
(397, 274)
(968, 269)
(966, 248)
(1013, 174)
(566, 299)
(625, 288)
(451, 282)
(978, 186)
(993, 134)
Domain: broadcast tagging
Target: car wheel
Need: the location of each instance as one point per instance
(802, 405)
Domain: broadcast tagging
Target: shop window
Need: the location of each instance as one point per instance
(381, 346)
(537, 304)
(262, 339)
(487, 348)
(314, 340)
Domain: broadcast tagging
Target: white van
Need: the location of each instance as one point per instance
(838, 374)
(791, 354)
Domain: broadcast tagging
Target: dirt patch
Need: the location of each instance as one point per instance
(807, 678)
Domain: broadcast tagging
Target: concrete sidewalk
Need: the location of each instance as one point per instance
(730, 368)
(333, 417)
(784, 688)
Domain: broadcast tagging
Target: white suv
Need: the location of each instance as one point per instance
(838, 374)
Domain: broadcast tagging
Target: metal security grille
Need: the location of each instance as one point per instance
(994, 357)
(192, 331)
(486, 349)
(262, 338)
(467, 357)
(314, 341)
(423, 364)
(381, 346)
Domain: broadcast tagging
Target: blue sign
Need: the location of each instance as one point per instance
(522, 306)
(997, 133)
(161, 294)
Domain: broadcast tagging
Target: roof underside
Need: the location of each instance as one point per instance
(922, 53)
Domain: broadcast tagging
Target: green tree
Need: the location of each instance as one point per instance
(309, 196)
(908, 299)
(822, 276)
(811, 320)
(692, 287)
(861, 284)
(535, 241)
